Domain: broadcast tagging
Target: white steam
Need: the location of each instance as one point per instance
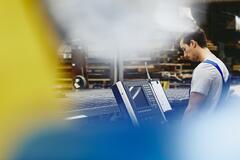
(126, 26)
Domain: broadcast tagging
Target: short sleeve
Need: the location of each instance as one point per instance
(201, 80)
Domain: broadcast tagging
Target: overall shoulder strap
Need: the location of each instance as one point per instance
(216, 66)
(226, 85)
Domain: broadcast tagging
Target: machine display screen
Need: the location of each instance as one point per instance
(138, 96)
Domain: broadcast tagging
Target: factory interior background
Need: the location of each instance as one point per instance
(61, 58)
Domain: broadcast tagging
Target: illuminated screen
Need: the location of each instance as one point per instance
(138, 96)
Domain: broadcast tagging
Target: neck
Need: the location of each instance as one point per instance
(203, 54)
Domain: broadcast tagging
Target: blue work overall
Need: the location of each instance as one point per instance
(226, 85)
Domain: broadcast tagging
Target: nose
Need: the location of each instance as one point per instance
(185, 55)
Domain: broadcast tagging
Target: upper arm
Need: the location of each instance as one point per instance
(200, 86)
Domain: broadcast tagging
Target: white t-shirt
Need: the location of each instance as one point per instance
(207, 80)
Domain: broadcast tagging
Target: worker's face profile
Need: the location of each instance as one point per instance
(187, 51)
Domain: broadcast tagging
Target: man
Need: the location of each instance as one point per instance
(210, 77)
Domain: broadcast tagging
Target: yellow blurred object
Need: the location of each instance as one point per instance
(27, 71)
(165, 85)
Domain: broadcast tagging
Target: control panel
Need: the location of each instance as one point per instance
(142, 101)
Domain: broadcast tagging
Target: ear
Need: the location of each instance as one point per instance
(193, 43)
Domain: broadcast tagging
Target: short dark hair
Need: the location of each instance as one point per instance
(199, 36)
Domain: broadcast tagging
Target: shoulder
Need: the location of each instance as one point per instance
(203, 66)
(221, 66)
(204, 69)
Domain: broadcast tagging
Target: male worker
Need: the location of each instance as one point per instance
(210, 79)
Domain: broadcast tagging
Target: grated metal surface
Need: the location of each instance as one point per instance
(94, 102)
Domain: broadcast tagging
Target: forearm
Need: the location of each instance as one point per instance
(196, 102)
(190, 112)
